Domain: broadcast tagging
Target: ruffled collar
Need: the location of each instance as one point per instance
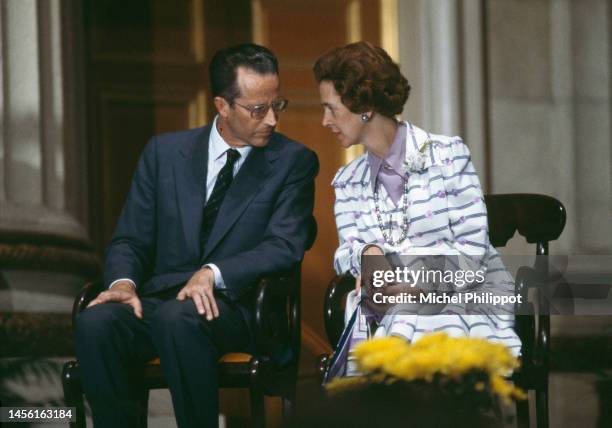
(418, 157)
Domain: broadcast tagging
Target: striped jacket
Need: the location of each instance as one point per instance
(446, 209)
(447, 216)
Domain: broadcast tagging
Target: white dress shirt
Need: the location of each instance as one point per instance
(217, 156)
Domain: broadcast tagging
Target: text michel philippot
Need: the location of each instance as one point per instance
(459, 279)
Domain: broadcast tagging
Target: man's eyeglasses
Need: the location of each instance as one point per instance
(259, 111)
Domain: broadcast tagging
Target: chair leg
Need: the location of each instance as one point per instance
(144, 408)
(73, 394)
(288, 407)
(258, 410)
(542, 407)
(522, 413)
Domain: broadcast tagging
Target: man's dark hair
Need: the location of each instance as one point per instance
(224, 65)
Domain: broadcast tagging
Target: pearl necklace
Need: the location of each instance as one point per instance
(404, 226)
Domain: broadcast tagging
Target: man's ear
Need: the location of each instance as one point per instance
(222, 106)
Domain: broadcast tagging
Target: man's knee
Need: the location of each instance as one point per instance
(174, 316)
(99, 320)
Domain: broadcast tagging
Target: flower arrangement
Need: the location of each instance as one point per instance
(416, 161)
(452, 366)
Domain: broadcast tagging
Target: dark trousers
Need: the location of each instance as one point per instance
(112, 345)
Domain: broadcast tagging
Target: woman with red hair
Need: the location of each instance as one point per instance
(411, 193)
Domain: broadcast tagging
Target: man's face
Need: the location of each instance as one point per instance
(236, 125)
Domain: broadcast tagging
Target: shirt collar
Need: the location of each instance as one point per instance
(218, 146)
(394, 157)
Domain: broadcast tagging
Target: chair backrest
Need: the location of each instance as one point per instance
(538, 218)
(295, 306)
(278, 313)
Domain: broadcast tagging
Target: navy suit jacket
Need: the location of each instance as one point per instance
(263, 225)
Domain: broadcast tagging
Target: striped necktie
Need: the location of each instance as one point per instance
(211, 209)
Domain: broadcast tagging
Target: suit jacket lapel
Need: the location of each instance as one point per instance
(244, 187)
(190, 177)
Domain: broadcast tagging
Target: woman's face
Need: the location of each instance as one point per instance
(346, 125)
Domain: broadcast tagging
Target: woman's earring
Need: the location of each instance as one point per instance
(365, 118)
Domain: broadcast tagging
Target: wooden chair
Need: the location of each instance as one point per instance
(277, 331)
(277, 317)
(539, 219)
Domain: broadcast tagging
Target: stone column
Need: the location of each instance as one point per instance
(442, 54)
(592, 138)
(45, 256)
(43, 182)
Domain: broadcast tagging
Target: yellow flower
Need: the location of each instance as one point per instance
(506, 391)
(391, 358)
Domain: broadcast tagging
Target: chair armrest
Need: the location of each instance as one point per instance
(86, 295)
(277, 317)
(535, 336)
(322, 366)
(333, 312)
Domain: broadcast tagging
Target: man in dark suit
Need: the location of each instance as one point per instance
(210, 211)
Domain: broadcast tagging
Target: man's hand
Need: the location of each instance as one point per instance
(122, 292)
(200, 289)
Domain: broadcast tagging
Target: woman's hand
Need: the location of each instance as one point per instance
(371, 250)
(390, 289)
